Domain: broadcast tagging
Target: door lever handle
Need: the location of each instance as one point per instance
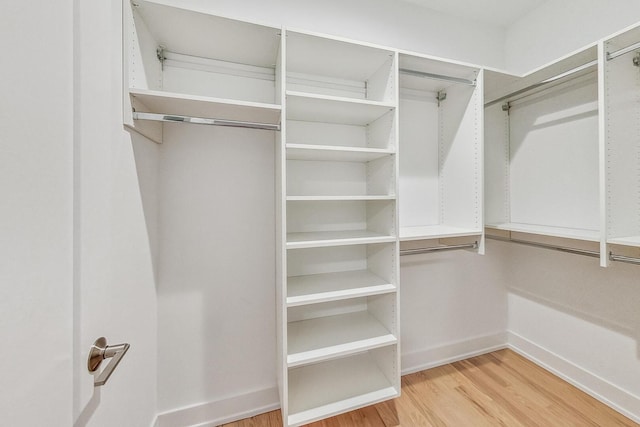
(101, 351)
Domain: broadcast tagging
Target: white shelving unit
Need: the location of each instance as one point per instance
(190, 73)
(542, 150)
(338, 311)
(440, 150)
(621, 105)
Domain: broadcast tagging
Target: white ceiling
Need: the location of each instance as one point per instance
(495, 12)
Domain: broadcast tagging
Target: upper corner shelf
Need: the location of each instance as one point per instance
(154, 101)
(209, 36)
(218, 57)
(334, 109)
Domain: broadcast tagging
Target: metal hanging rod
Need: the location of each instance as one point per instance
(543, 83)
(417, 251)
(202, 121)
(437, 76)
(584, 252)
(614, 55)
(621, 258)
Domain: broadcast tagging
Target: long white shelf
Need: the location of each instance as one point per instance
(334, 109)
(338, 198)
(317, 288)
(335, 153)
(435, 232)
(625, 241)
(155, 101)
(544, 230)
(335, 238)
(330, 388)
(324, 338)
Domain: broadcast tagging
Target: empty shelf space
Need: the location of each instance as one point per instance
(333, 109)
(544, 230)
(625, 241)
(335, 153)
(335, 238)
(434, 232)
(153, 101)
(338, 198)
(329, 388)
(188, 31)
(318, 288)
(329, 337)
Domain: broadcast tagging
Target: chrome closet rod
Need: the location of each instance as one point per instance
(543, 83)
(202, 121)
(584, 252)
(434, 76)
(417, 251)
(621, 258)
(614, 55)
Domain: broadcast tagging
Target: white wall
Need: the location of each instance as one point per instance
(453, 304)
(216, 276)
(36, 206)
(579, 319)
(559, 27)
(394, 23)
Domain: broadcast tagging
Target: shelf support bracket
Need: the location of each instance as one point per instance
(160, 53)
(636, 60)
(442, 95)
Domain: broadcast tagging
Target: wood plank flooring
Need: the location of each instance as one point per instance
(497, 389)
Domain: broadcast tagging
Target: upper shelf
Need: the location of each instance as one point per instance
(333, 57)
(335, 153)
(543, 230)
(210, 36)
(430, 75)
(435, 232)
(153, 101)
(633, 241)
(334, 109)
(335, 238)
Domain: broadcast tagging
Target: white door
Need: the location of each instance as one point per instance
(114, 287)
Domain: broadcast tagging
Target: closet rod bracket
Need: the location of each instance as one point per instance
(417, 251)
(160, 54)
(621, 258)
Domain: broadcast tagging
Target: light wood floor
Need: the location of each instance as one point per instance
(497, 389)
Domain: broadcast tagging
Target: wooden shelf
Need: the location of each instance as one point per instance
(562, 232)
(625, 241)
(435, 232)
(154, 101)
(338, 198)
(335, 238)
(324, 338)
(335, 153)
(325, 389)
(317, 288)
(334, 109)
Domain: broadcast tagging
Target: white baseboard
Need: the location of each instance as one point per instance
(222, 411)
(602, 390)
(452, 352)
(250, 404)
